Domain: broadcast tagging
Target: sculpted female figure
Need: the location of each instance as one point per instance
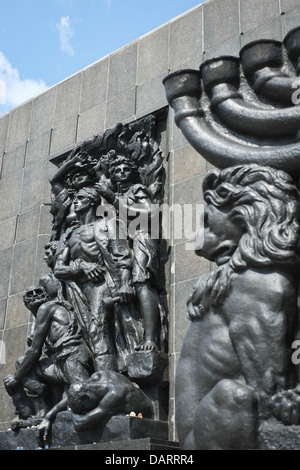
(237, 350)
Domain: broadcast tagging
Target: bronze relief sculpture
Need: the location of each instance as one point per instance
(99, 321)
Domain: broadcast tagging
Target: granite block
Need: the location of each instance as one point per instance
(13, 160)
(4, 120)
(256, 12)
(151, 95)
(94, 85)
(2, 313)
(5, 263)
(122, 71)
(287, 5)
(38, 148)
(153, 54)
(270, 29)
(42, 116)
(22, 272)
(220, 22)
(91, 122)
(121, 108)
(28, 224)
(17, 314)
(67, 100)
(64, 135)
(7, 232)
(186, 38)
(33, 186)
(18, 129)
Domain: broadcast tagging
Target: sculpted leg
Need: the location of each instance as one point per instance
(226, 418)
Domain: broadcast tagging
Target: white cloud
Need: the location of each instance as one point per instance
(13, 89)
(66, 33)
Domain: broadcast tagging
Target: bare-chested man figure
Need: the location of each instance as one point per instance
(57, 354)
(95, 265)
(103, 395)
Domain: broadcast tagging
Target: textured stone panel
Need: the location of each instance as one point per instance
(121, 108)
(187, 163)
(5, 263)
(22, 272)
(220, 22)
(64, 135)
(33, 185)
(38, 148)
(18, 129)
(122, 70)
(10, 189)
(230, 47)
(150, 96)
(186, 38)
(16, 344)
(153, 54)
(17, 314)
(188, 266)
(287, 5)
(180, 293)
(91, 122)
(7, 232)
(94, 85)
(291, 20)
(42, 113)
(28, 224)
(13, 160)
(257, 11)
(2, 314)
(67, 101)
(45, 220)
(3, 131)
(270, 29)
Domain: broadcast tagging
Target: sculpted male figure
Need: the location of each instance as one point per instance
(95, 265)
(237, 350)
(57, 354)
(105, 394)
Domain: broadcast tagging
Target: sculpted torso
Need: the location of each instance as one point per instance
(82, 244)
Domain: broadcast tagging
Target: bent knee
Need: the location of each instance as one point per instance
(233, 393)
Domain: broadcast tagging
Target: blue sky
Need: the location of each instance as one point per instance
(45, 41)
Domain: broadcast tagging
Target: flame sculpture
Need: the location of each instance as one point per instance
(240, 110)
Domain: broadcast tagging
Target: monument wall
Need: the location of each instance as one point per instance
(122, 87)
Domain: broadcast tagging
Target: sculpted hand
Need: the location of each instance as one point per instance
(9, 381)
(285, 406)
(81, 160)
(105, 191)
(92, 271)
(43, 430)
(126, 294)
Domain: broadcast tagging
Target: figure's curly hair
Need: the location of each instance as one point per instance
(91, 193)
(266, 202)
(123, 159)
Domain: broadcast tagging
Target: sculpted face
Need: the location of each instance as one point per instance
(220, 235)
(34, 297)
(49, 256)
(122, 173)
(81, 202)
